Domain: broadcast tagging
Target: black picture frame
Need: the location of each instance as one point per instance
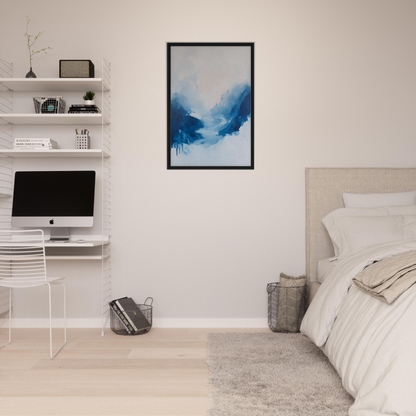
(242, 94)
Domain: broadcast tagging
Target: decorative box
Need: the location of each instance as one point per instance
(72, 68)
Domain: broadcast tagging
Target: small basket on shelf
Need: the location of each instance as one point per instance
(49, 105)
(120, 328)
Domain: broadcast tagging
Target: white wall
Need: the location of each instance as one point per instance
(335, 85)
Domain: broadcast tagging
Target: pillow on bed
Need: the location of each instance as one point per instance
(331, 221)
(379, 200)
(353, 233)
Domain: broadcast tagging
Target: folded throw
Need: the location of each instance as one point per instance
(290, 299)
(389, 278)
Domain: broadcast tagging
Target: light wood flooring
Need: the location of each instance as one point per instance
(162, 373)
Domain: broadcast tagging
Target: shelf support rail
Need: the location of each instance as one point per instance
(107, 139)
(106, 191)
(6, 95)
(6, 166)
(106, 75)
(6, 69)
(6, 102)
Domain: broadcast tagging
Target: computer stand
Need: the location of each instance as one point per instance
(59, 234)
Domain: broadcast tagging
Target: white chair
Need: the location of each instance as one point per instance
(23, 265)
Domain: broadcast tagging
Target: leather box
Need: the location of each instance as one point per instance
(72, 68)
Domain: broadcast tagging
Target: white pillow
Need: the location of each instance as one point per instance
(333, 218)
(379, 200)
(353, 233)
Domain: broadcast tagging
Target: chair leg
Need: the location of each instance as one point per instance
(50, 321)
(10, 319)
(64, 312)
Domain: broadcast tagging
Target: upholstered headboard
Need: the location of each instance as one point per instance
(324, 189)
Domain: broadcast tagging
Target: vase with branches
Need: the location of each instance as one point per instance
(31, 39)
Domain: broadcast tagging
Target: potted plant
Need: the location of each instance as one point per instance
(89, 98)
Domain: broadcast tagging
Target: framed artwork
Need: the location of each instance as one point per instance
(210, 98)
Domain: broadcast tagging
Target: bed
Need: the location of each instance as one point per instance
(370, 343)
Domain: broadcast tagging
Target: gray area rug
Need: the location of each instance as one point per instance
(272, 374)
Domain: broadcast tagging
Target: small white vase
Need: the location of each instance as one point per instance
(89, 102)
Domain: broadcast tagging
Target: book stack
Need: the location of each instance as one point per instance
(35, 144)
(83, 109)
(130, 315)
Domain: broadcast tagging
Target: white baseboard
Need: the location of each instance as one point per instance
(157, 323)
(56, 323)
(210, 323)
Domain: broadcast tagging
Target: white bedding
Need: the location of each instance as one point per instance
(371, 344)
(325, 267)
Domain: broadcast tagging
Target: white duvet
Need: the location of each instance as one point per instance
(370, 343)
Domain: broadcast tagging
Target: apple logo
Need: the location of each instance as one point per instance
(51, 222)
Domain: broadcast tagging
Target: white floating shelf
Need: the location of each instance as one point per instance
(51, 118)
(70, 257)
(94, 153)
(60, 244)
(52, 84)
(75, 244)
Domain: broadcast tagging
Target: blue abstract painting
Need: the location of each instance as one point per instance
(210, 105)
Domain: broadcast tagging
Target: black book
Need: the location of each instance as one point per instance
(121, 317)
(84, 112)
(84, 108)
(91, 109)
(133, 314)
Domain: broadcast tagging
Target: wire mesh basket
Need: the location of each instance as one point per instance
(49, 105)
(286, 307)
(117, 326)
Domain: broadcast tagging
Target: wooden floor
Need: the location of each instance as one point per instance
(162, 373)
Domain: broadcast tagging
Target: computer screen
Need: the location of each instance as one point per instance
(53, 199)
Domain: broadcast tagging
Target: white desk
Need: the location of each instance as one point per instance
(74, 250)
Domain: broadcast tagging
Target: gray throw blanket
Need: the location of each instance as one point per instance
(389, 278)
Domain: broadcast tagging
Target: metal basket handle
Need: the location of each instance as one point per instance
(151, 303)
(271, 287)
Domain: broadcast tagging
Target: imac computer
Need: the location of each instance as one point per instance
(54, 199)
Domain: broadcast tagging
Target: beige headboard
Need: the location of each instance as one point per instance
(324, 189)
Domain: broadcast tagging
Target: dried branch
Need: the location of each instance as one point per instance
(31, 41)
